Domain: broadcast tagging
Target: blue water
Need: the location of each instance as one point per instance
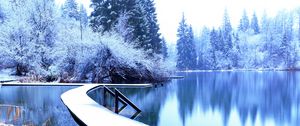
(200, 99)
(34, 106)
(222, 99)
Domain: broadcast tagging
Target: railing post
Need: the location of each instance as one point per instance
(116, 102)
(104, 96)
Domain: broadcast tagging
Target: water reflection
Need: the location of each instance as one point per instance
(34, 106)
(222, 99)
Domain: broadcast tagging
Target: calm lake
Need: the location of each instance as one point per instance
(222, 99)
(201, 98)
(34, 106)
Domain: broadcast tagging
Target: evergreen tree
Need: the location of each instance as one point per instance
(213, 39)
(286, 45)
(236, 53)
(181, 43)
(164, 48)
(214, 44)
(264, 23)
(204, 49)
(141, 21)
(70, 9)
(244, 22)
(83, 18)
(220, 41)
(285, 49)
(186, 52)
(192, 48)
(227, 29)
(226, 40)
(254, 24)
(138, 22)
(153, 26)
(105, 14)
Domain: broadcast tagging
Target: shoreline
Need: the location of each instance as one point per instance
(240, 70)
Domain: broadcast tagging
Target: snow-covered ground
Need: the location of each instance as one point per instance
(6, 74)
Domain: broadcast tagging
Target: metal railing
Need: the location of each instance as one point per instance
(119, 97)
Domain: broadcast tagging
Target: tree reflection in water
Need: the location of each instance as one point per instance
(10, 114)
(223, 98)
(34, 106)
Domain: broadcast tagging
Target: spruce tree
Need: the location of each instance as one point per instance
(226, 30)
(213, 39)
(226, 57)
(191, 48)
(286, 45)
(236, 53)
(105, 14)
(186, 52)
(141, 21)
(153, 26)
(214, 44)
(164, 48)
(244, 22)
(70, 9)
(138, 22)
(264, 23)
(254, 24)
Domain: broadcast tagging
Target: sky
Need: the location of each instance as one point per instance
(209, 13)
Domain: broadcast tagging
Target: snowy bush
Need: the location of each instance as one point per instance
(36, 41)
(106, 59)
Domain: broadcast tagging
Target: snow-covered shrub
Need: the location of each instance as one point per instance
(107, 58)
(40, 44)
(101, 57)
(26, 35)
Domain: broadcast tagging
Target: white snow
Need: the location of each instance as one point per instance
(90, 112)
(5, 75)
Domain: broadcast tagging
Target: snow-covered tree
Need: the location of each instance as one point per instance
(286, 44)
(264, 22)
(225, 59)
(37, 41)
(254, 24)
(83, 16)
(164, 48)
(186, 52)
(204, 50)
(42, 21)
(244, 22)
(105, 14)
(16, 37)
(236, 52)
(139, 17)
(151, 17)
(123, 28)
(83, 19)
(227, 31)
(70, 9)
